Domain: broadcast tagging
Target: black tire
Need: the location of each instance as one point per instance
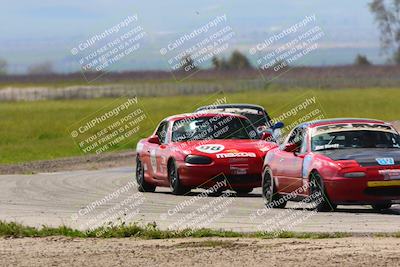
(317, 189)
(143, 186)
(244, 191)
(269, 193)
(381, 206)
(174, 181)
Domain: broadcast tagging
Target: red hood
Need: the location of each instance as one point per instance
(212, 148)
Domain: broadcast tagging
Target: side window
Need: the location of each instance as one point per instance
(303, 148)
(162, 132)
(294, 136)
(297, 136)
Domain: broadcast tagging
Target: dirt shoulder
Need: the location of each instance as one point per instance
(61, 251)
(89, 162)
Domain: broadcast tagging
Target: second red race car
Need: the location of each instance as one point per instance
(341, 161)
(200, 150)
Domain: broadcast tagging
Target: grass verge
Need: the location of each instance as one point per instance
(151, 231)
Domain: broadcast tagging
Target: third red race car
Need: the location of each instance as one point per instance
(345, 161)
(198, 150)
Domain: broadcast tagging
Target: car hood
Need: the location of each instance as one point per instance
(235, 148)
(366, 156)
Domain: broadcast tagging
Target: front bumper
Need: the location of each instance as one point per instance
(238, 176)
(362, 190)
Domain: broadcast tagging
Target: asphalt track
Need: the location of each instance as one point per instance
(66, 198)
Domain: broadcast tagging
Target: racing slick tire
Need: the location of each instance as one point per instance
(143, 186)
(381, 206)
(269, 193)
(174, 181)
(323, 204)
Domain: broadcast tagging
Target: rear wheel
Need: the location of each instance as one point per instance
(143, 186)
(271, 198)
(317, 191)
(381, 206)
(174, 181)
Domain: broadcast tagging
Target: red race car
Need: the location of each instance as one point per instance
(199, 150)
(344, 161)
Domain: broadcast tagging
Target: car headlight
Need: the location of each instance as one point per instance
(194, 159)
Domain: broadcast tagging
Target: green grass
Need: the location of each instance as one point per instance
(38, 130)
(121, 82)
(150, 231)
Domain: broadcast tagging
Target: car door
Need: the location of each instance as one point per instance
(153, 150)
(291, 162)
(162, 152)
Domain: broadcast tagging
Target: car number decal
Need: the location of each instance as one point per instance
(306, 166)
(139, 147)
(385, 161)
(210, 149)
(153, 160)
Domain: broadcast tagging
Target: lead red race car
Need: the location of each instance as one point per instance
(199, 150)
(343, 161)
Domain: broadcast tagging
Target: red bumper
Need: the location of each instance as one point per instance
(365, 191)
(238, 176)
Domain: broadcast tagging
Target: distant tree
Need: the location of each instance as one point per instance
(387, 16)
(216, 63)
(239, 61)
(41, 68)
(3, 67)
(220, 64)
(361, 60)
(187, 64)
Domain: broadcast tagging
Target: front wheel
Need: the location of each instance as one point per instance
(174, 181)
(143, 186)
(269, 192)
(318, 193)
(382, 206)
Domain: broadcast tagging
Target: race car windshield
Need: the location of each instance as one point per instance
(256, 117)
(256, 120)
(355, 139)
(216, 127)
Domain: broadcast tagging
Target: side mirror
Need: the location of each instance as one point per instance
(154, 140)
(278, 125)
(291, 147)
